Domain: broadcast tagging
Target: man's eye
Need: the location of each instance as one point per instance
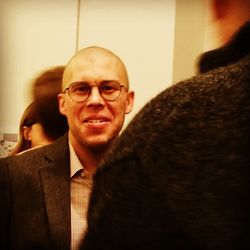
(108, 88)
(81, 89)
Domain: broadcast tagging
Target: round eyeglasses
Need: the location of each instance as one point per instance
(80, 91)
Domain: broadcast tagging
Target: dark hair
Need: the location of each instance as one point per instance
(45, 89)
(53, 122)
(29, 117)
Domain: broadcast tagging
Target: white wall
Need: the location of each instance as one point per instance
(38, 34)
(34, 35)
(189, 37)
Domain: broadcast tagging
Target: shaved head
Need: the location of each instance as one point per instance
(92, 56)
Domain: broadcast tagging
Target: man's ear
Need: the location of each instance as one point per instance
(61, 103)
(219, 8)
(130, 102)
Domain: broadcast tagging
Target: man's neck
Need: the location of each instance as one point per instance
(88, 157)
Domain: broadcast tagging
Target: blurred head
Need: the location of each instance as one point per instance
(95, 97)
(48, 83)
(45, 89)
(229, 15)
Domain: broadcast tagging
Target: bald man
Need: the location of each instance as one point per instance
(179, 176)
(45, 192)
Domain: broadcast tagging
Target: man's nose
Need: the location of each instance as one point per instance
(95, 97)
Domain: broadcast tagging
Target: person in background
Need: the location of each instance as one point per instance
(31, 134)
(178, 177)
(42, 123)
(45, 191)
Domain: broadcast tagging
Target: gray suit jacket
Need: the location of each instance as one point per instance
(35, 198)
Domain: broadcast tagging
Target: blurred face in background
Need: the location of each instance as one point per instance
(35, 135)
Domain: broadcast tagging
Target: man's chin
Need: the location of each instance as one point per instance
(99, 146)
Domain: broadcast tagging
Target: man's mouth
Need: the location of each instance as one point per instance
(95, 121)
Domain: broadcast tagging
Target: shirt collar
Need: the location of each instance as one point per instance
(75, 164)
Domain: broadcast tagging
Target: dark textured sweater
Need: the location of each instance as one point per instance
(179, 175)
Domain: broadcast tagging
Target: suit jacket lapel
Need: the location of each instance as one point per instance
(56, 187)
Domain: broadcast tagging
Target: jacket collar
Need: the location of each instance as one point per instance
(56, 188)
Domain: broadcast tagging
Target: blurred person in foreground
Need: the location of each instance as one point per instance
(179, 175)
(45, 192)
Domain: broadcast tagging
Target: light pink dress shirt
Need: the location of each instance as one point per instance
(80, 189)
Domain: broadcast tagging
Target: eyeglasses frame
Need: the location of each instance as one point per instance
(98, 86)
